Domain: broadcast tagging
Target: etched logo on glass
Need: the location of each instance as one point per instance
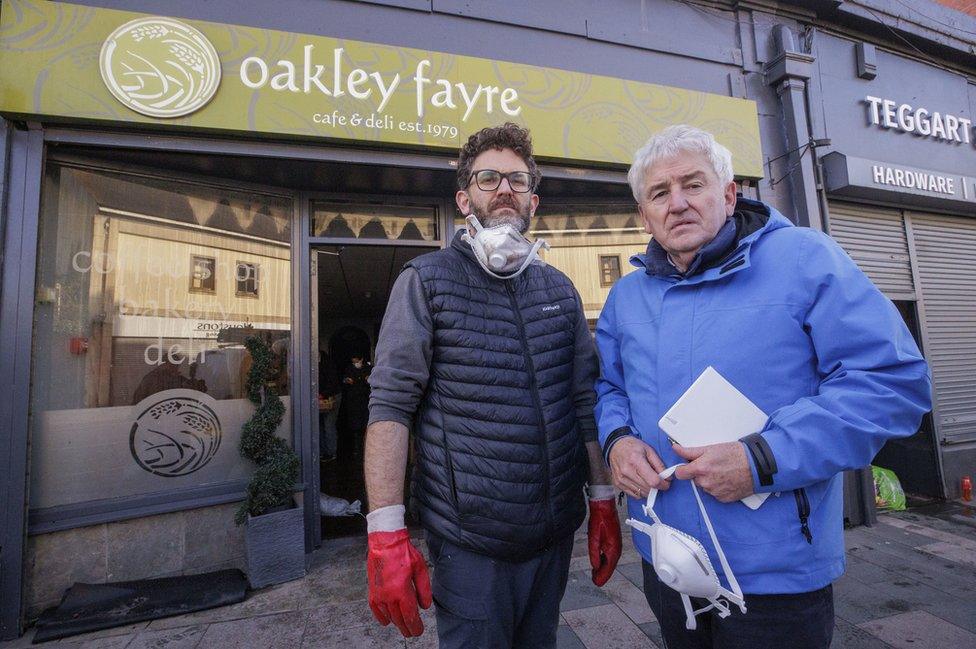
(176, 433)
(160, 67)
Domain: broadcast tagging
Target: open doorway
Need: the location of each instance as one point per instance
(914, 459)
(353, 287)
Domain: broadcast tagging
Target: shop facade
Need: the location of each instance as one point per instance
(172, 184)
(900, 196)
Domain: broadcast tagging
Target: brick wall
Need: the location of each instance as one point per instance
(965, 6)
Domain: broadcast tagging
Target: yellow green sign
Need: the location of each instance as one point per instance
(71, 62)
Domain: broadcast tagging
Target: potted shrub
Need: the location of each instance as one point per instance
(274, 535)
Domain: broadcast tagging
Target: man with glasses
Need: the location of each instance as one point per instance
(486, 355)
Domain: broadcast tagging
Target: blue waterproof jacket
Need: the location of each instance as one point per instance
(790, 320)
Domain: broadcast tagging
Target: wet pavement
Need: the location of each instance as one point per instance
(910, 584)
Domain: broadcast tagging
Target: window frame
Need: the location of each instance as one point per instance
(237, 280)
(212, 290)
(443, 229)
(69, 516)
(604, 283)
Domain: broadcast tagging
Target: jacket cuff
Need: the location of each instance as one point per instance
(762, 458)
(613, 438)
(601, 492)
(386, 519)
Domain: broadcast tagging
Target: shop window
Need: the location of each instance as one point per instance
(139, 366)
(590, 242)
(575, 232)
(247, 279)
(203, 276)
(609, 269)
(339, 220)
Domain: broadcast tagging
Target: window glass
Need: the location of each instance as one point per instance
(203, 277)
(609, 269)
(247, 279)
(365, 221)
(141, 310)
(592, 244)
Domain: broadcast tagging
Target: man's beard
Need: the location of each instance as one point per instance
(519, 220)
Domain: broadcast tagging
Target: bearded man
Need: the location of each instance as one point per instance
(485, 354)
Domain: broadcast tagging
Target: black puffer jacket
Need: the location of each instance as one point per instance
(500, 456)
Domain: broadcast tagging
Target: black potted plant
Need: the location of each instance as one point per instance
(274, 536)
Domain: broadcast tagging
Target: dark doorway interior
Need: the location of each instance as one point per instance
(354, 283)
(914, 459)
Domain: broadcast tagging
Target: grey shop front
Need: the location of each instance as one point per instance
(138, 245)
(900, 190)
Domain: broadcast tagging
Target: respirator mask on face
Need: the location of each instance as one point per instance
(681, 561)
(502, 250)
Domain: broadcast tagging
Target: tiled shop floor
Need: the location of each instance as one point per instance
(910, 582)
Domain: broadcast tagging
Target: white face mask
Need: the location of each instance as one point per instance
(501, 250)
(681, 561)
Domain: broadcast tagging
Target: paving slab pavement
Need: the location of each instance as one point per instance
(910, 583)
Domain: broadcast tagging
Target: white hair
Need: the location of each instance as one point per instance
(669, 143)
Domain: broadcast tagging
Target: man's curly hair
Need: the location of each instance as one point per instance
(507, 136)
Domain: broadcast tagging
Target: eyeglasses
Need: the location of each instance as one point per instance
(489, 180)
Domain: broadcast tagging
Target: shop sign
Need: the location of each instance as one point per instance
(189, 74)
(872, 179)
(152, 321)
(919, 120)
(175, 432)
(914, 179)
(160, 67)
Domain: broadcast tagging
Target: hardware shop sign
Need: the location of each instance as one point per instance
(909, 186)
(70, 62)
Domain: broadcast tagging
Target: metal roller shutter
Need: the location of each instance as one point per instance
(945, 250)
(876, 240)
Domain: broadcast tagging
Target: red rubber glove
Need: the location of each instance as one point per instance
(603, 536)
(398, 580)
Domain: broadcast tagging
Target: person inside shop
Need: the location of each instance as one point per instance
(486, 354)
(330, 398)
(785, 316)
(167, 375)
(280, 350)
(355, 402)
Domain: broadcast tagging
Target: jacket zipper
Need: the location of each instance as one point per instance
(538, 408)
(803, 509)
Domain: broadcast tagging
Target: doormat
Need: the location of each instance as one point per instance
(92, 607)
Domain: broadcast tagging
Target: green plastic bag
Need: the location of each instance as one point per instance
(888, 494)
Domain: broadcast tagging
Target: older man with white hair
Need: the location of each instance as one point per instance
(785, 316)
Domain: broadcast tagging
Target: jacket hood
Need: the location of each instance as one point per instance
(757, 217)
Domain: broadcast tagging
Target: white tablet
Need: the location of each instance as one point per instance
(713, 411)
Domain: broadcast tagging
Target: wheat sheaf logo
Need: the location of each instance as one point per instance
(176, 432)
(160, 67)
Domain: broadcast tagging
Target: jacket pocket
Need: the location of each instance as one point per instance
(775, 520)
(452, 480)
(449, 466)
